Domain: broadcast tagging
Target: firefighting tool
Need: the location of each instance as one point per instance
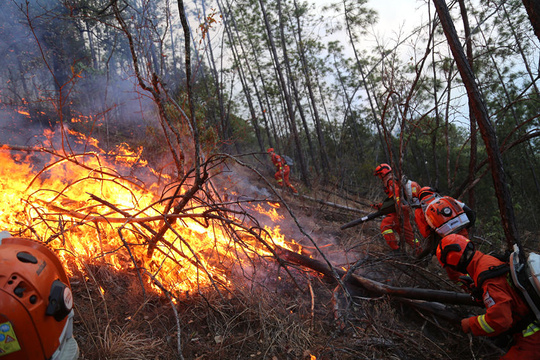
(526, 277)
(446, 216)
(36, 303)
(387, 207)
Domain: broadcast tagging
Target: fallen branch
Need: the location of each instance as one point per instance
(375, 287)
(334, 205)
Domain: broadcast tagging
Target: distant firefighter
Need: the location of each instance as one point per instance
(283, 170)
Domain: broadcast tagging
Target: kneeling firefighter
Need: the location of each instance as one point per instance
(36, 303)
(506, 309)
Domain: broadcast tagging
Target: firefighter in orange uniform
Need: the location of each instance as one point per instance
(440, 216)
(506, 311)
(283, 170)
(390, 224)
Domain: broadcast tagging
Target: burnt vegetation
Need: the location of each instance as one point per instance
(134, 144)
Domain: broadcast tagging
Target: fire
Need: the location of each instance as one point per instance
(81, 205)
(271, 213)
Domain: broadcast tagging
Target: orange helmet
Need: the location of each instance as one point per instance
(456, 252)
(446, 216)
(270, 150)
(382, 170)
(35, 303)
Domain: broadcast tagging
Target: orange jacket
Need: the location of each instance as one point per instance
(390, 188)
(278, 161)
(504, 305)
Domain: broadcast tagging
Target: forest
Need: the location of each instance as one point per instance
(175, 103)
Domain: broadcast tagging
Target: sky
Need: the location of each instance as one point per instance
(395, 14)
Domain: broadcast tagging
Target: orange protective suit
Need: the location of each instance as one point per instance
(504, 308)
(390, 223)
(426, 231)
(283, 171)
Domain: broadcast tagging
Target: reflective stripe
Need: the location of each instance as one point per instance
(484, 325)
(531, 329)
(389, 231)
(280, 180)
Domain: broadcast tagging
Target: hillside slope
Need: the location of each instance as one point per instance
(276, 310)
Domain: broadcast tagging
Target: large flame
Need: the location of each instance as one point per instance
(92, 208)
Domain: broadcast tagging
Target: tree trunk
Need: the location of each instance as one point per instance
(506, 208)
(325, 162)
(474, 141)
(375, 287)
(243, 80)
(294, 90)
(287, 98)
(533, 10)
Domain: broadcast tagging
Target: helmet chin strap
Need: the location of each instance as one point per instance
(466, 258)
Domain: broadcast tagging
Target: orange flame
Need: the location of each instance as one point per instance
(59, 204)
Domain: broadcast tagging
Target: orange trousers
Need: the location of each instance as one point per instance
(282, 176)
(390, 226)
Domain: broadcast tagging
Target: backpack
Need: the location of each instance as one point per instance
(288, 160)
(446, 216)
(526, 278)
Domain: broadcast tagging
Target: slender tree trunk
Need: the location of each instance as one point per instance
(287, 98)
(474, 141)
(242, 77)
(325, 162)
(294, 90)
(223, 117)
(533, 10)
(506, 208)
(364, 81)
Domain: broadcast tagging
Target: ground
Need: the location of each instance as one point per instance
(293, 314)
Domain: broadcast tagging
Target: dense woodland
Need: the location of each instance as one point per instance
(451, 104)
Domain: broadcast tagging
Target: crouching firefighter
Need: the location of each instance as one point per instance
(439, 216)
(36, 303)
(507, 311)
(390, 224)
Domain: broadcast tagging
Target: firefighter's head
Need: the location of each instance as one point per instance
(456, 252)
(270, 150)
(35, 302)
(382, 170)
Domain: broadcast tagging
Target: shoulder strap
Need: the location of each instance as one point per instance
(492, 272)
